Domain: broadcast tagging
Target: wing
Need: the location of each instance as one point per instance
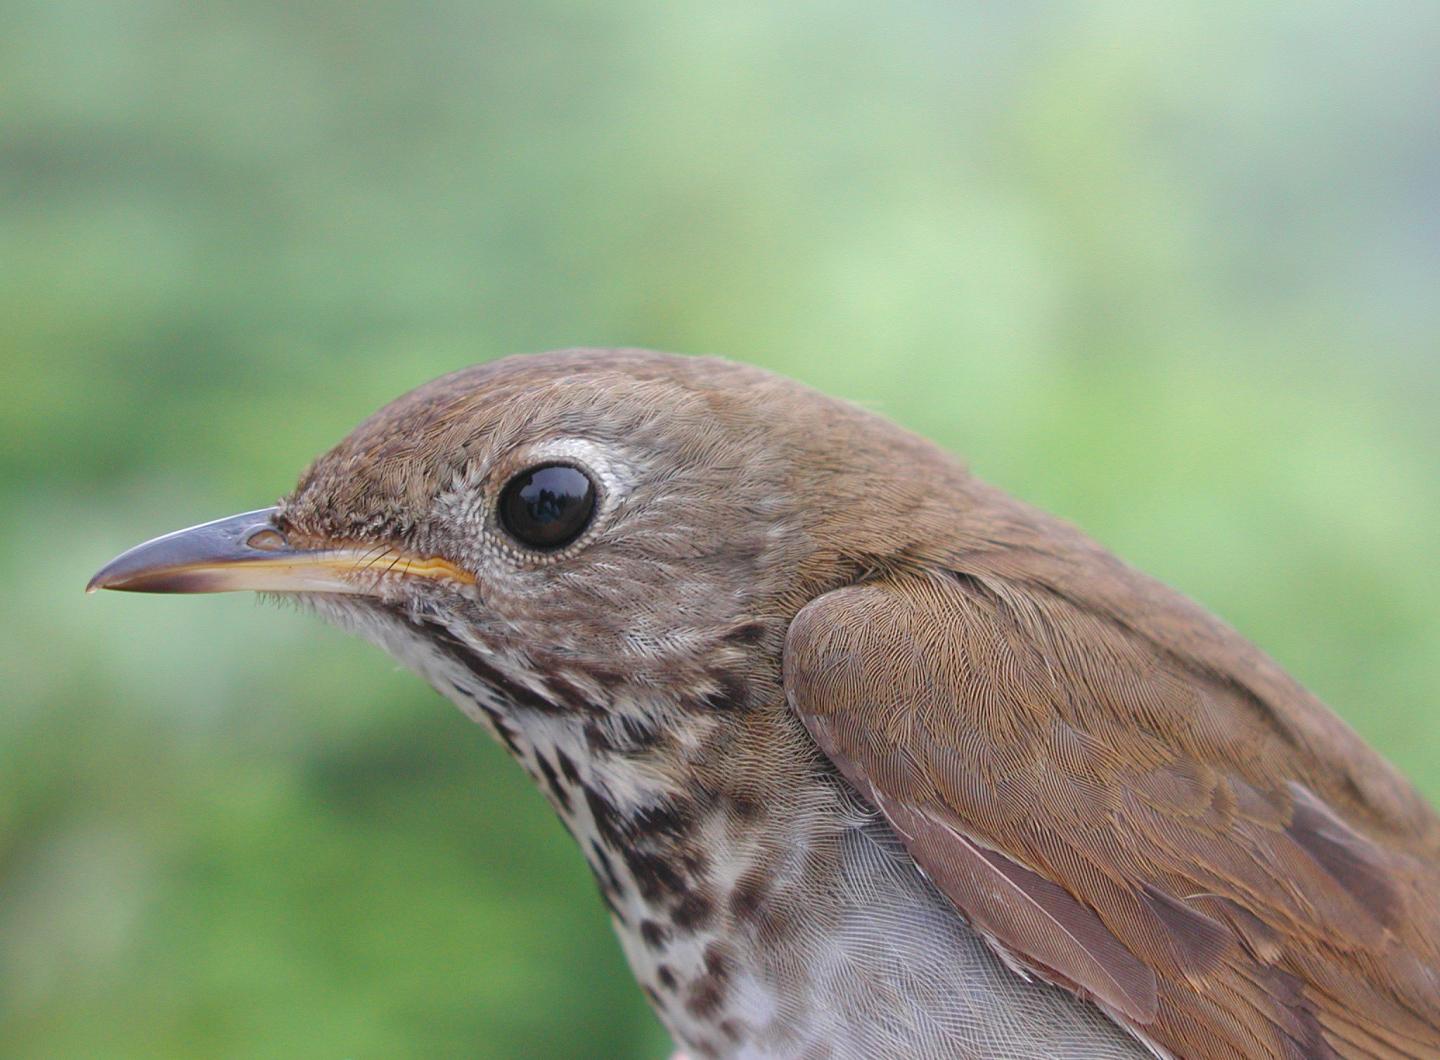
(1129, 822)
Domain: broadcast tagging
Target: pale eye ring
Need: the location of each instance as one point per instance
(547, 506)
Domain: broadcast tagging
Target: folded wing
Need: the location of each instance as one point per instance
(1131, 822)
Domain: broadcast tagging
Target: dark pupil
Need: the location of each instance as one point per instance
(547, 507)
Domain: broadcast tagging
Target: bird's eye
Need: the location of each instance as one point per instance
(546, 507)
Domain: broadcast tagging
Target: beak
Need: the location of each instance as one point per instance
(251, 552)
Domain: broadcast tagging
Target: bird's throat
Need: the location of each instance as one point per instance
(759, 922)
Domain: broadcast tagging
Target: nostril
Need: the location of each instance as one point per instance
(267, 540)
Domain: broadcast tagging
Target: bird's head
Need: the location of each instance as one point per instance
(579, 526)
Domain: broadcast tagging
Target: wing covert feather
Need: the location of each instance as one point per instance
(1126, 824)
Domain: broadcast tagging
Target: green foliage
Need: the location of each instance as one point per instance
(1163, 271)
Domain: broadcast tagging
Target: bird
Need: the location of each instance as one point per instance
(868, 758)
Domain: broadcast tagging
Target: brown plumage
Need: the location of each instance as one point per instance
(1214, 859)
(1117, 793)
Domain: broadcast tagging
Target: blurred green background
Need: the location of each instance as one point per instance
(1169, 271)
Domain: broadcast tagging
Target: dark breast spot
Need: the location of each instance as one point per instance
(552, 782)
(706, 996)
(621, 734)
(507, 735)
(654, 934)
(666, 820)
(746, 809)
(693, 911)
(654, 874)
(607, 821)
(605, 871)
(694, 862)
(753, 906)
(567, 767)
(613, 909)
(717, 963)
(748, 896)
